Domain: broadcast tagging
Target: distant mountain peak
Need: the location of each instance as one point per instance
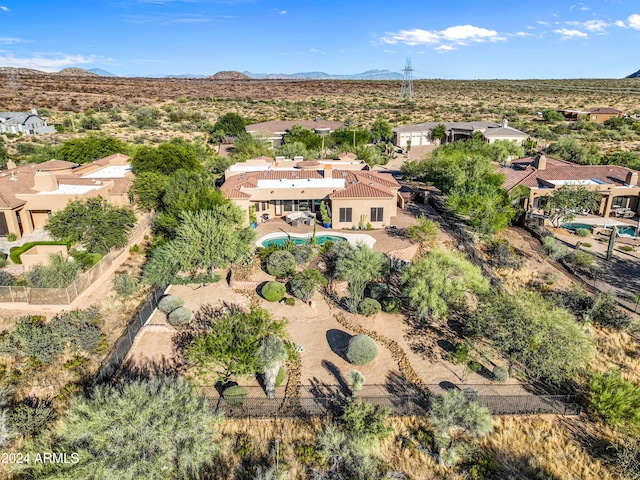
(634, 75)
(368, 75)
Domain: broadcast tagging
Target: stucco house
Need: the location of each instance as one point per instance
(276, 129)
(619, 186)
(354, 196)
(30, 193)
(15, 123)
(420, 134)
(596, 115)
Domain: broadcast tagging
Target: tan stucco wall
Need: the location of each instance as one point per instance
(609, 193)
(361, 207)
(39, 255)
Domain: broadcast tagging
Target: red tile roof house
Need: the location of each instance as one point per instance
(30, 193)
(354, 196)
(543, 175)
(596, 115)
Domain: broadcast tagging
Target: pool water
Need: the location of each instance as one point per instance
(320, 239)
(622, 230)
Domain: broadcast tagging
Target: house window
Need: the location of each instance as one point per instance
(345, 214)
(288, 205)
(377, 214)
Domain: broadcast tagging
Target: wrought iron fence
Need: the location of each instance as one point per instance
(124, 343)
(312, 401)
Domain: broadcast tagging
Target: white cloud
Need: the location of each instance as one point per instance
(315, 50)
(443, 40)
(3, 8)
(620, 23)
(584, 9)
(46, 64)
(570, 34)
(634, 21)
(521, 34)
(282, 12)
(542, 22)
(10, 40)
(596, 26)
(389, 51)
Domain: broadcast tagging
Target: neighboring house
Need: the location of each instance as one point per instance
(276, 129)
(29, 194)
(347, 162)
(353, 196)
(16, 123)
(543, 175)
(596, 115)
(420, 134)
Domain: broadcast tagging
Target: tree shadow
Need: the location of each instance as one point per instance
(397, 385)
(446, 346)
(337, 374)
(338, 341)
(446, 386)
(147, 369)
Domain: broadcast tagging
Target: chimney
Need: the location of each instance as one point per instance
(11, 164)
(632, 178)
(326, 170)
(45, 182)
(34, 111)
(505, 123)
(298, 158)
(540, 162)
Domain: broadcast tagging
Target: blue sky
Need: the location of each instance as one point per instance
(457, 40)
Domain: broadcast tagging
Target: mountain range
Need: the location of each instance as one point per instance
(634, 75)
(368, 75)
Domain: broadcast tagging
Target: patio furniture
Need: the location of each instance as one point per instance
(623, 213)
(265, 217)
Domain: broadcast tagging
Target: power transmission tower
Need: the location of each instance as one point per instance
(406, 91)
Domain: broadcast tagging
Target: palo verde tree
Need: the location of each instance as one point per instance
(381, 131)
(566, 201)
(230, 123)
(229, 349)
(530, 331)
(89, 148)
(439, 281)
(359, 265)
(166, 158)
(155, 429)
(95, 223)
(204, 240)
(424, 233)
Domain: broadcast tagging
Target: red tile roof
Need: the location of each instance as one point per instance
(55, 165)
(363, 190)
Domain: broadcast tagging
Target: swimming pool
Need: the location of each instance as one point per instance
(320, 239)
(623, 230)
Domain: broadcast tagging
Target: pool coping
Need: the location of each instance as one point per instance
(352, 238)
(609, 224)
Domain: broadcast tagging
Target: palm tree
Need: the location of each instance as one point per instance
(272, 354)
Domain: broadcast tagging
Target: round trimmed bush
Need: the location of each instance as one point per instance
(369, 307)
(362, 349)
(282, 374)
(235, 396)
(169, 303)
(583, 232)
(6, 279)
(501, 374)
(273, 291)
(391, 304)
(180, 316)
(281, 264)
(290, 301)
(379, 290)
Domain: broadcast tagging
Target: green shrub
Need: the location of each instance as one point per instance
(273, 291)
(582, 259)
(483, 466)
(35, 339)
(58, 273)
(587, 245)
(169, 303)
(616, 399)
(282, 374)
(6, 279)
(504, 255)
(366, 421)
(3, 260)
(624, 248)
(391, 304)
(78, 328)
(125, 284)
(554, 249)
(85, 259)
(235, 396)
(583, 232)
(180, 316)
(605, 311)
(362, 349)
(281, 264)
(461, 353)
(12, 237)
(379, 290)
(290, 301)
(304, 284)
(501, 374)
(265, 252)
(303, 253)
(369, 307)
(30, 416)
